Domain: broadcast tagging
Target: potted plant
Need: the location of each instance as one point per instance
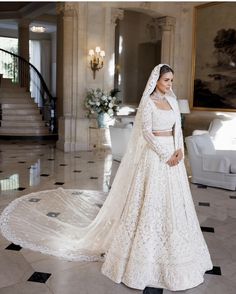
(99, 102)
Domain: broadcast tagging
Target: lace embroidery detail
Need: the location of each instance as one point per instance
(153, 141)
(147, 227)
(159, 242)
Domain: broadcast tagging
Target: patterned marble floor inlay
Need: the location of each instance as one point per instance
(53, 214)
(34, 199)
(204, 204)
(215, 271)
(13, 247)
(207, 229)
(39, 277)
(63, 277)
(150, 290)
(202, 186)
(232, 197)
(21, 189)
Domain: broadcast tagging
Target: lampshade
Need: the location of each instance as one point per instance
(97, 49)
(183, 106)
(102, 53)
(91, 52)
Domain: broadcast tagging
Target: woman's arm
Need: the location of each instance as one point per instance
(180, 142)
(148, 135)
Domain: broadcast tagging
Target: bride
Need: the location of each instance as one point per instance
(147, 232)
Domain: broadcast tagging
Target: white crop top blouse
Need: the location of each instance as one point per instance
(155, 119)
(162, 120)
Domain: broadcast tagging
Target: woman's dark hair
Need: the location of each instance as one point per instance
(165, 69)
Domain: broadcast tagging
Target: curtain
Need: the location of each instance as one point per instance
(40, 57)
(35, 59)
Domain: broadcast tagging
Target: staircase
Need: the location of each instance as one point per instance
(20, 115)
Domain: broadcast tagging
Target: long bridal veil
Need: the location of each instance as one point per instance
(70, 223)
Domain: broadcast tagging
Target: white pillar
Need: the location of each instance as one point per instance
(167, 27)
(74, 74)
(111, 16)
(73, 126)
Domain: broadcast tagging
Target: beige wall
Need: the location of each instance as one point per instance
(184, 32)
(138, 55)
(93, 25)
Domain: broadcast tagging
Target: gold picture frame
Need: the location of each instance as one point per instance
(214, 57)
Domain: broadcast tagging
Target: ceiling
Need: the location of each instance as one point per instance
(12, 6)
(40, 13)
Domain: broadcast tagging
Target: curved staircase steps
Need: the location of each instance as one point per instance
(6, 94)
(16, 100)
(22, 123)
(7, 83)
(34, 117)
(22, 112)
(12, 90)
(27, 130)
(18, 106)
(20, 115)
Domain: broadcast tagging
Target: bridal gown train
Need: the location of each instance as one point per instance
(157, 240)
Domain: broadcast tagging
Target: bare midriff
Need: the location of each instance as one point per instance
(162, 133)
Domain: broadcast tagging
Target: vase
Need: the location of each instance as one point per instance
(101, 120)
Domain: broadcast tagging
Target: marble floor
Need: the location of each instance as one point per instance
(32, 166)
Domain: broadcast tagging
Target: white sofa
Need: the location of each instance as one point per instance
(209, 166)
(222, 133)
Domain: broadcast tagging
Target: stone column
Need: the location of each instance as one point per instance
(167, 27)
(23, 51)
(73, 126)
(111, 17)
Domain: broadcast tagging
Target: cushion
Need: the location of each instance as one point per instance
(204, 144)
(199, 132)
(215, 163)
(215, 127)
(233, 168)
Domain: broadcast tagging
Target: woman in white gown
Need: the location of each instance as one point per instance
(147, 231)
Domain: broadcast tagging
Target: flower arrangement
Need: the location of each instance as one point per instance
(98, 101)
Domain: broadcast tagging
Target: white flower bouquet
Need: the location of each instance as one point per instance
(97, 101)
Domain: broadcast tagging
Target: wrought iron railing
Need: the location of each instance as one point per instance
(22, 72)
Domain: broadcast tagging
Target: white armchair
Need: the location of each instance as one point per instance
(209, 166)
(222, 133)
(120, 134)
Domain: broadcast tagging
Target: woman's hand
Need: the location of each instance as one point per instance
(179, 154)
(175, 158)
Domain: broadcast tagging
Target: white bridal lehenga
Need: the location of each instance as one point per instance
(146, 230)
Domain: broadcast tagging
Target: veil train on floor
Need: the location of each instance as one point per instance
(76, 224)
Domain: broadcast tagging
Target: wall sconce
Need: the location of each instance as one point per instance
(96, 61)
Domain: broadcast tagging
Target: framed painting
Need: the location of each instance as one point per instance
(214, 57)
